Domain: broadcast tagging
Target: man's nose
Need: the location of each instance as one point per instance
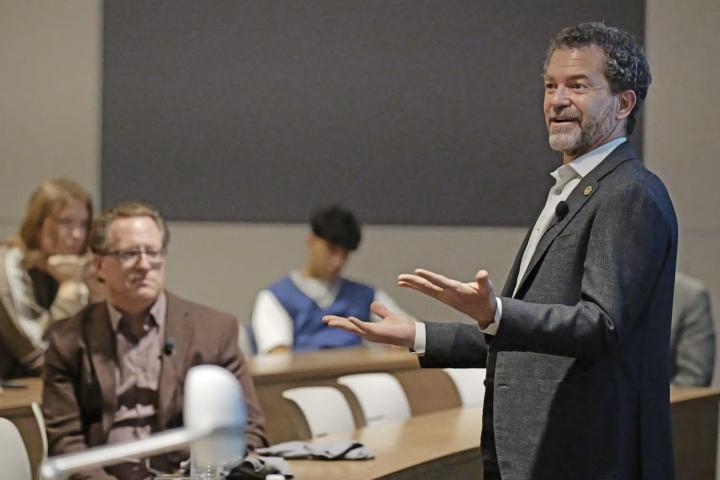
(559, 97)
(143, 260)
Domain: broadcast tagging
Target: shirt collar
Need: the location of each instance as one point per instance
(156, 313)
(317, 289)
(584, 164)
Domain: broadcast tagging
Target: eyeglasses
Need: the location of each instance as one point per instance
(70, 224)
(131, 256)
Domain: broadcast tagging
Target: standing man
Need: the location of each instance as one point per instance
(578, 340)
(115, 371)
(288, 314)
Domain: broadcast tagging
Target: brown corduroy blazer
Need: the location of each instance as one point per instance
(79, 400)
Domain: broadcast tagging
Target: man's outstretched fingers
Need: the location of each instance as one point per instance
(343, 323)
(439, 281)
(418, 283)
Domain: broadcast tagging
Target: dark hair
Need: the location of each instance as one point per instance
(626, 67)
(98, 233)
(336, 225)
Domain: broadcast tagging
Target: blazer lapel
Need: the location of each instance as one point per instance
(587, 187)
(509, 286)
(179, 330)
(100, 342)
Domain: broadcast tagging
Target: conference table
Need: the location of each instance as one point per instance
(446, 444)
(439, 445)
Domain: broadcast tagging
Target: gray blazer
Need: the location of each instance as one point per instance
(692, 336)
(578, 382)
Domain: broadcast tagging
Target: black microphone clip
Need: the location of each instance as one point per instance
(169, 346)
(561, 210)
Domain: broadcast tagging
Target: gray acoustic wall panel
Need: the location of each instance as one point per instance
(407, 111)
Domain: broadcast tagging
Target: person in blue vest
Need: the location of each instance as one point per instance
(287, 314)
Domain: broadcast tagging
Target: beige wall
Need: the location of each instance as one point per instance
(49, 98)
(235, 261)
(682, 142)
(50, 104)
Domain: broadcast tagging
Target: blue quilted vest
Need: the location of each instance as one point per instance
(310, 333)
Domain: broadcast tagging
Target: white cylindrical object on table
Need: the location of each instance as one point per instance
(214, 400)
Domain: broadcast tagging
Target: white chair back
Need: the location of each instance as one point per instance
(470, 384)
(14, 460)
(40, 422)
(325, 409)
(380, 395)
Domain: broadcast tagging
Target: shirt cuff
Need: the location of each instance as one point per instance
(419, 345)
(493, 327)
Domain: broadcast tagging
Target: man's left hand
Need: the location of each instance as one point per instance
(475, 299)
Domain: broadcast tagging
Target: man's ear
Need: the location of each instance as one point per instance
(97, 263)
(626, 102)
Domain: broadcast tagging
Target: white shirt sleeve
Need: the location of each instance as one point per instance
(271, 323)
(493, 327)
(420, 334)
(419, 345)
(387, 300)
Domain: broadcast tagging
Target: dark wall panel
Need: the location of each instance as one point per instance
(407, 111)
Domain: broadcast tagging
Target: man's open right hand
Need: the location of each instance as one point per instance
(393, 328)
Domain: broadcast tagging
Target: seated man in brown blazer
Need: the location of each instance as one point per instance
(115, 371)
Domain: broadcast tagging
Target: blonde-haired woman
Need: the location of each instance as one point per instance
(43, 270)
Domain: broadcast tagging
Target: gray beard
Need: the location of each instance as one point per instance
(564, 141)
(574, 139)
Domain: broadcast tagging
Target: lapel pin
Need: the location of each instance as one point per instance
(588, 190)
